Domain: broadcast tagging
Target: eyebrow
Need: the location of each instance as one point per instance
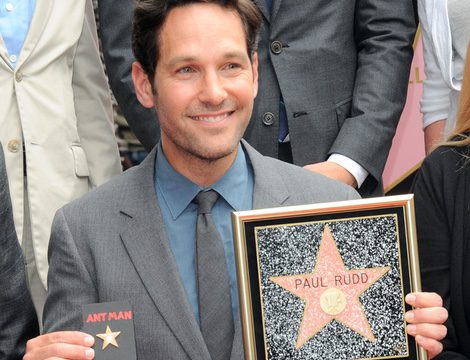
(188, 59)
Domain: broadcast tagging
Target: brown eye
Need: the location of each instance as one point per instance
(232, 66)
(186, 70)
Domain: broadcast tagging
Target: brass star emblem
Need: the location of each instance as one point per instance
(109, 338)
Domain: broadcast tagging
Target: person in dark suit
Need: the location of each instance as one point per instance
(333, 82)
(18, 321)
(115, 30)
(442, 198)
(333, 78)
(135, 239)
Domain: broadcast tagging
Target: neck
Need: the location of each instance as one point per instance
(202, 172)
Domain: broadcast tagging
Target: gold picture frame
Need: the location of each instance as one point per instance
(327, 281)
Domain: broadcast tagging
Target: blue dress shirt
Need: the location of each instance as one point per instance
(15, 18)
(175, 194)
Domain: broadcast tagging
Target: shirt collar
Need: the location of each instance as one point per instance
(178, 191)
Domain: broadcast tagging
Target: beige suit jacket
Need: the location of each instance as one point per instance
(57, 100)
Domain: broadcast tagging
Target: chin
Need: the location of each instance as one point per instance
(215, 154)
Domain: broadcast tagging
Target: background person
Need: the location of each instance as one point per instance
(115, 34)
(56, 122)
(442, 198)
(18, 321)
(333, 81)
(445, 32)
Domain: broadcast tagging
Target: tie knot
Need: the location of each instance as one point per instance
(206, 200)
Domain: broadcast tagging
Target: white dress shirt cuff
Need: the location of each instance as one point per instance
(356, 170)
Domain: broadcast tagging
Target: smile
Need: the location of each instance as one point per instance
(212, 118)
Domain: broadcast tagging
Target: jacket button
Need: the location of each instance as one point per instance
(268, 118)
(18, 76)
(276, 47)
(14, 146)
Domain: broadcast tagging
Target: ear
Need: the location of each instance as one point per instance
(254, 66)
(142, 85)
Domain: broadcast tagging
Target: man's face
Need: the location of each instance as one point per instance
(205, 82)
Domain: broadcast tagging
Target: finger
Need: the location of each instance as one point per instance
(63, 344)
(432, 331)
(432, 315)
(67, 351)
(424, 299)
(60, 351)
(433, 347)
(66, 337)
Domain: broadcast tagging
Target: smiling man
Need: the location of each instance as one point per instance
(139, 237)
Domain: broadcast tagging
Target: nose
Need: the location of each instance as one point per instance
(213, 90)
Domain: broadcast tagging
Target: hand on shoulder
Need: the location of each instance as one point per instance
(333, 171)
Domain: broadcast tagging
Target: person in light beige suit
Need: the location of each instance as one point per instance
(56, 124)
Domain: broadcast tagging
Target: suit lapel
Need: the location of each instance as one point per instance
(263, 7)
(148, 248)
(237, 346)
(38, 23)
(269, 189)
(4, 53)
(275, 9)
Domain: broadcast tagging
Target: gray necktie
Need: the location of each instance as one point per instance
(215, 305)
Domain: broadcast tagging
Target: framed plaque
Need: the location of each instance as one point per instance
(328, 281)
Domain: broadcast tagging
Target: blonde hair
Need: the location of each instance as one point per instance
(460, 136)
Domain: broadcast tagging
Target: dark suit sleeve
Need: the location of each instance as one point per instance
(115, 30)
(69, 283)
(384, 32)
(434, 227)
(18, 321)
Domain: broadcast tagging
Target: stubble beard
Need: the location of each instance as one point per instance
(196, 149)
(193, 150)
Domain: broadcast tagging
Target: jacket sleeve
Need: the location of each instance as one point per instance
(69, 282)
(384, 32)
(93, 105)
(435, 101)
(18, 321)
(115, 30)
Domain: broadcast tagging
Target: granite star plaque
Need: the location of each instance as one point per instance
(327, 281)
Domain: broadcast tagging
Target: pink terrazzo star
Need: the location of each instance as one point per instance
(331, 292)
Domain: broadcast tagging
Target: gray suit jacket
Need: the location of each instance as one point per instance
(18, 321)
(110, 245)
(342, 67)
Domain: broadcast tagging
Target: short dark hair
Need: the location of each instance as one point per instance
(150, 15)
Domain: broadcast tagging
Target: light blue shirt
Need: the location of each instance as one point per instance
(175, 194)
(15, 18)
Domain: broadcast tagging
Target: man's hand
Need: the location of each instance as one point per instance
(426, 321)
(333, 171)
(62, 345)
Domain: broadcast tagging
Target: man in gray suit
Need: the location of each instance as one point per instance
(333, 77)
(133, 239)
(18, 321)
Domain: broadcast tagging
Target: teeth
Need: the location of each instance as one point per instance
(211, 119)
